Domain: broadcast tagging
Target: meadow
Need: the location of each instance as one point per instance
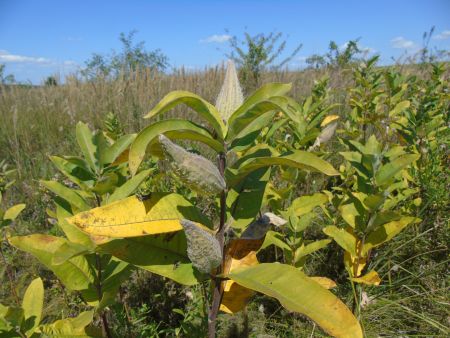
(386, 143)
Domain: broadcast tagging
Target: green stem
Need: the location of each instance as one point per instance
(105, 326)
(98, 262)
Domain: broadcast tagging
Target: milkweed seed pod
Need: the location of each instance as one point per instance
(259, 228)
(203, 249)
(230, 96)
(195, 171)
(326, 134)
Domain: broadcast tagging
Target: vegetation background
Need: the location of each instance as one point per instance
(117, 90)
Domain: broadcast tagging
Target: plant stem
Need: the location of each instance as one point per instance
(217, 282)
(105, 326)
(98, 263)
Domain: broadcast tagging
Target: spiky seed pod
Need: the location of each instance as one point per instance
(203, 249)
(259, 228)
(195, 171)
(230, 96)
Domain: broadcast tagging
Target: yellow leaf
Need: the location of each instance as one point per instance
(370, 278)
(297, 292)
(325, 282)
(328, 120)
(239, 253)
(353, 265)
(386, 232)
(122, 158)
(131, 217)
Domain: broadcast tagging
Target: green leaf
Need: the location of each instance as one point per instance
(202, 107)
(73, 233)
(101, 145)
(69, 327)
(297, 159)
(343, 238)
(32, 305)
(296, 292)
(85, 140)
(388, 171)
(75, 274)
(11, 318)
(381, 218)
(68, 194)
(266, 91)
(164, 255)
(399, 107)
(68, 250)
(117, 148)
(106, 183)
(184, 130)
(245, 200)
(305, 250)
(116, 272)
(275, 238)
(75, 170)
(128, 187)
(248, 135)
(304, 204)
(276, 103)
(13, 212)
(386, 232)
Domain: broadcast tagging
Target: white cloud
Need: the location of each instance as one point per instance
(13, 58)
(444, 35)
(6, 57)
(70, 63)
(401, 42)
(216, 38)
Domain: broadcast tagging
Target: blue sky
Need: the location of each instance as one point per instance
(39, 38)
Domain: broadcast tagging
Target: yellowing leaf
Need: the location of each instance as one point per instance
(69, 327)
(329, 119)
(386, 232)
(14, 211)
(370, 278)
(130, 217)
(399, 108)
(297, 292)
(324, 282)
(239, 253)
(32, 304)
(343, 238)
(388, 171)
(349, 214)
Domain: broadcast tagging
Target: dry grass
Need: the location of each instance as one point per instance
(38, 121)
